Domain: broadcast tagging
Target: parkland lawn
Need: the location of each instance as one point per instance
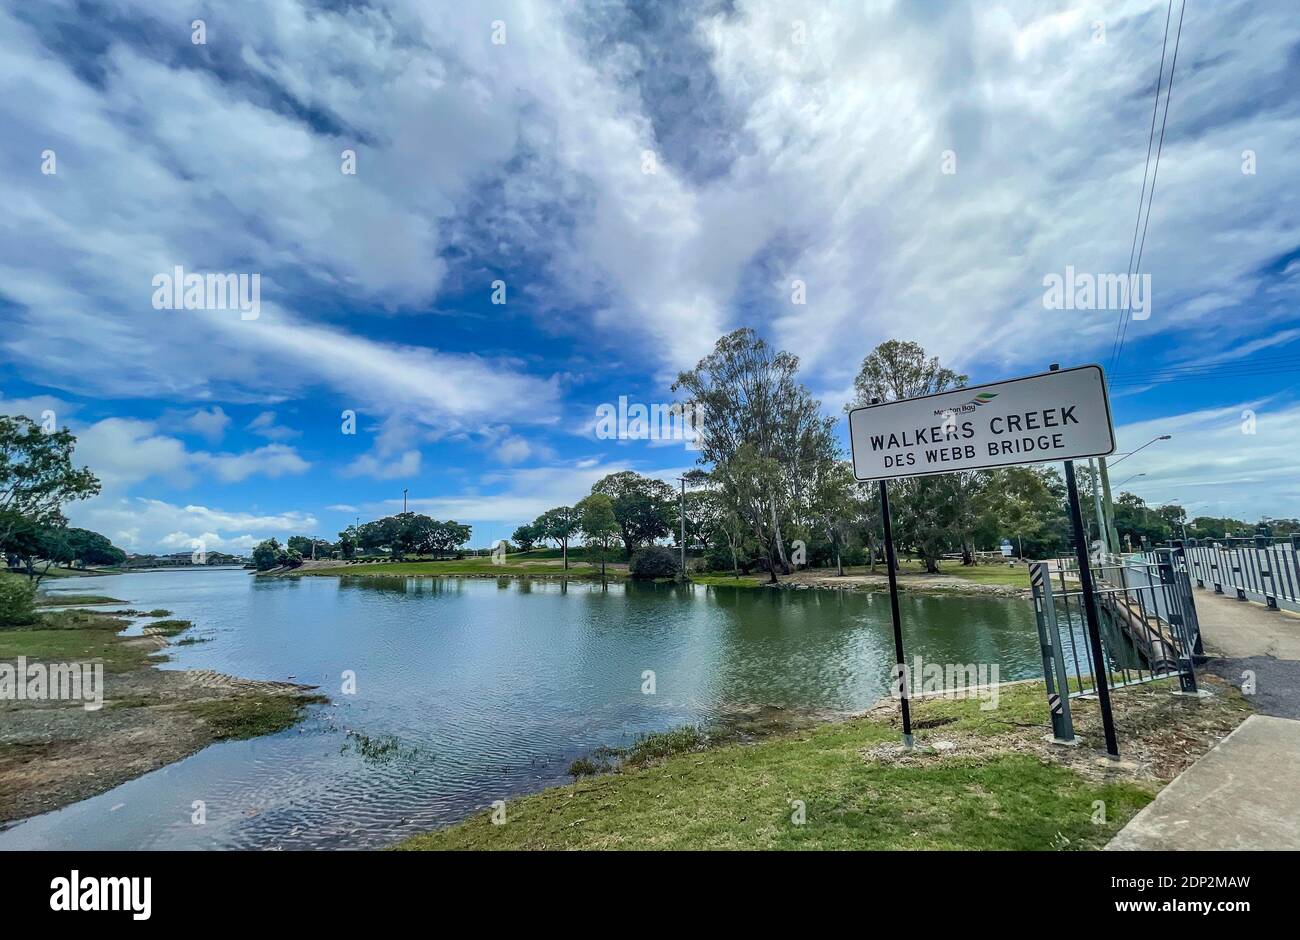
(547, 563)
(994, 783)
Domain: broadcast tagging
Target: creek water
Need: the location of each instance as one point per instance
(469, 691)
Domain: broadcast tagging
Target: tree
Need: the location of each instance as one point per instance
(870, 524)
(929, 509)
(642, 506)
(448, 536)
(898, 369)
(1175, 517)
(48, 542)
(833, 495)
(37, 476)
(1219, 527)
(599, 524)
(558, 524)
(379, 534)
(348, 542)
(1027, 505)
(747, 481)
(750, 396)
(91, 548)
(268, 555)
(525, 537)
(308, 547)
(1135, 520)
(718, 521)
(414, 533)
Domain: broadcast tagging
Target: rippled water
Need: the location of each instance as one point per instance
(473, 690)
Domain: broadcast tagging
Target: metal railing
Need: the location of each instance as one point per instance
(1259, 569)
(1148, 626)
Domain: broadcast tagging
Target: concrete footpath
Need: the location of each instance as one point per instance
(1243, 794)
(1238, 629)
(1251, 644)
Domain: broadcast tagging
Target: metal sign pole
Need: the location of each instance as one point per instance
(891, 562)
(1101, 671)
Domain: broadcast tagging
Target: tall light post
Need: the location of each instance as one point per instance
(691, 476)
(1109, 504)
(1133, 477)
(682, 514)
(403, 500)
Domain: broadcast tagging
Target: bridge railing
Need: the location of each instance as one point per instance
(1148, 626)
(1259, 569)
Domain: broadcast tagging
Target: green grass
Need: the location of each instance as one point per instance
(169, 627)
(250, 716)
(74, 600)
(739, 796)
(74, 642)
(726, 580)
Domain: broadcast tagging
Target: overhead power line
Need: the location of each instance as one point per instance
(1155, 170)
(1151, 138)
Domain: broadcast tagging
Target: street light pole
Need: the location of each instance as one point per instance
(1162, 437)
(682, 513)
(1133, 477)
(403, 500)
(1103, 534)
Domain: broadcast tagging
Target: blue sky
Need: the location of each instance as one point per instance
(787, 142)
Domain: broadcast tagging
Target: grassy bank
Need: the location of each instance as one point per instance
(521, 565)
(993, 783)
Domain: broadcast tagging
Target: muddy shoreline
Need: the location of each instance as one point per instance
(57, 752)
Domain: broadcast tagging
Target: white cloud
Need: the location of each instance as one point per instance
(406, 465)
(1212, 466)
(126, 451)
(148, 525)
(272, 460)
(157, 143)
(210, 423)
(520, 495)
(513, 449)
(264, 425)
(35, 406)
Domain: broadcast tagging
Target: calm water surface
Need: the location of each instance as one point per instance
(473, 690)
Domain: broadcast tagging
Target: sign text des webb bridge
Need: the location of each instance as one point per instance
(1053, 416)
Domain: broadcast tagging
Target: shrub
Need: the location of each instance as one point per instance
(267, 555)
(654, 562)
(17, 597)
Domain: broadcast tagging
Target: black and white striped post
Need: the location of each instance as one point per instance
(1049, 641)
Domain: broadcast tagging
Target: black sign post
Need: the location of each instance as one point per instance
(891, 563)
(1101, 669)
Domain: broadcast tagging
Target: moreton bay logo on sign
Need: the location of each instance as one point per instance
(1053, 416)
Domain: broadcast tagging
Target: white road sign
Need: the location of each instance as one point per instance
(1060, 415)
